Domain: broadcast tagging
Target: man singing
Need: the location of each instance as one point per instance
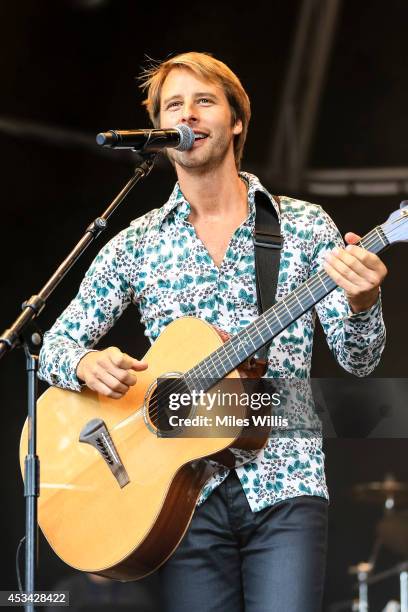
(257, 541)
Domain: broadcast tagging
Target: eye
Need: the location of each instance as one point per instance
(173, 104)
(205, 100)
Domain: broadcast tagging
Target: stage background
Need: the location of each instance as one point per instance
(72, 65)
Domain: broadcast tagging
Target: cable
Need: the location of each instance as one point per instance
(20, 586)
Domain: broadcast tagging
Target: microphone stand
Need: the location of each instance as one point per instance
(25, 333)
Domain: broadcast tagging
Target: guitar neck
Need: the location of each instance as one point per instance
(274, 320)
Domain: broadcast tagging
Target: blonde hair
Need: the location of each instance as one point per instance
(204, 66)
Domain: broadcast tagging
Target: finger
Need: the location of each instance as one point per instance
(103, 389)
(139, 365)
(340, 280)
(104, 364)
(370, 260)
(127, 377)
(117, 358)
(125, 361)
(351, 268)
(111, 382)
(352, 238)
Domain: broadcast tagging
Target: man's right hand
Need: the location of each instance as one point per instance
(109, 372)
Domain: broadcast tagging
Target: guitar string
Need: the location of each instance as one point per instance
(313, 282)
(278, 309)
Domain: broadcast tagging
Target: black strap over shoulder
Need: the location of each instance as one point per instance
(268, 244)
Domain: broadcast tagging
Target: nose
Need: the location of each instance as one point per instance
(189, 113)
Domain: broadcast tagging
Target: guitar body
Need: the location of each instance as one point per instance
(125, 529)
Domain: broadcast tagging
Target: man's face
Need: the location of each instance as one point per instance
(203, 106)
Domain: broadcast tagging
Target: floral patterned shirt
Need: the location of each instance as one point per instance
(159, 264)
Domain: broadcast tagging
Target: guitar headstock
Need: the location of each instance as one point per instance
(396, 226)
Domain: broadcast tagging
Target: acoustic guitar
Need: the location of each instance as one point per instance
(117, 490)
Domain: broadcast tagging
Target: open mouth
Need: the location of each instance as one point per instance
(200, 135)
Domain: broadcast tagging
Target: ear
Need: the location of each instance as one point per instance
(237, 129)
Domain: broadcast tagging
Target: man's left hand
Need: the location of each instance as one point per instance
(357, 271)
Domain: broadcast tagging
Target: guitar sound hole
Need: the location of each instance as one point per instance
(162, 406)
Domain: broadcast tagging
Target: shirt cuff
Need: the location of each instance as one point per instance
(76, 384)
(365, 321)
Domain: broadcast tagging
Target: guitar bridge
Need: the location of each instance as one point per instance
(97, 435)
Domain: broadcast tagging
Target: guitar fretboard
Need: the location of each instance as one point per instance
(277, 318)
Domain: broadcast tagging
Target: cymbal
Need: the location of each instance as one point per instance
(389, 489)
(393, 531)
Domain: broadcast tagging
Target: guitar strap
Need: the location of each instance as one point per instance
(268, 244)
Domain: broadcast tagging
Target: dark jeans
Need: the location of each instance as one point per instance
(232, 559)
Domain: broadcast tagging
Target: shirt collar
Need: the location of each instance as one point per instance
(254, 185)
(181, 207)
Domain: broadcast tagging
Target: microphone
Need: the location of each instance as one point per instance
(181, 138)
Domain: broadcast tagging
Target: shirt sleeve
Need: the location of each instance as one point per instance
(102, 297)
(357, 340)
